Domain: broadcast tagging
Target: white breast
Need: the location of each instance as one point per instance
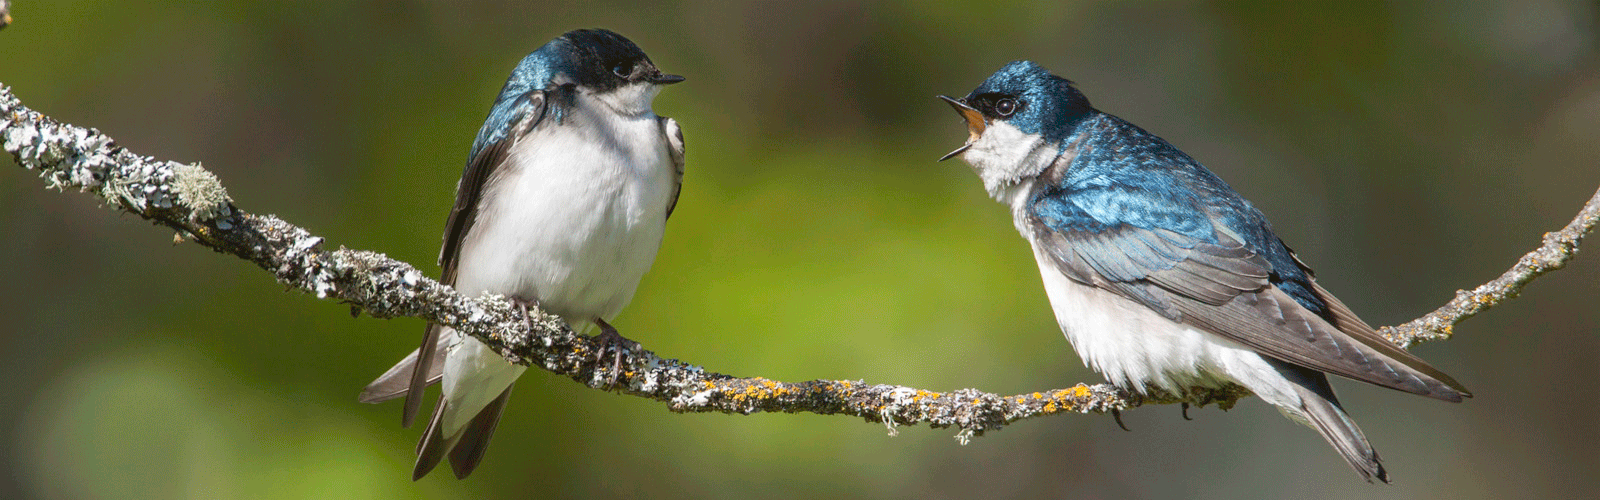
(1130, 344)
(1133, 346)
(573, 221)
(576, 219)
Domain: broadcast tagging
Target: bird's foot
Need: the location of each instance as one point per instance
(523, 305)
(1186, 411)
(609, 339)
(1117, 414)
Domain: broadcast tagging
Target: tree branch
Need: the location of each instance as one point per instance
(190, 200)
(1559, 247)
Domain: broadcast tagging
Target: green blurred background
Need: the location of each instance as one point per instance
(1405, 150)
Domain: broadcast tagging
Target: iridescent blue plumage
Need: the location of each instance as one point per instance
(580, 57)
(1054, 107)
(1163, 276)
(1123, 175)
(533, 73)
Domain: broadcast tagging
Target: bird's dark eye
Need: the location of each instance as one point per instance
(623, 70)
(1005, 107)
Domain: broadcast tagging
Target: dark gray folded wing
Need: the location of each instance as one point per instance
(1227, 288)
(521, 117)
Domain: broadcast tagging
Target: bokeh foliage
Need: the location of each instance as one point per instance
(1405, 150)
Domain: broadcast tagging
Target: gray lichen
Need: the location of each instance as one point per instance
(1557, 249)
(200, 191)
(87, 160)
(191, 200)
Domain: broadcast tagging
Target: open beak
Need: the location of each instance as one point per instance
(975, 124)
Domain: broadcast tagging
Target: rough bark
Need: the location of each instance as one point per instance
(192, 201)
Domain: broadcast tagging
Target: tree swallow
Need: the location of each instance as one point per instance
(562, 204)
(1160, 274)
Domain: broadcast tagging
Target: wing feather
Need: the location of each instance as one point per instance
(527, 111)
(669, 127)
(1226, 287)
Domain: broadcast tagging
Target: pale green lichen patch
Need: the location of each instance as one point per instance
(200, 191)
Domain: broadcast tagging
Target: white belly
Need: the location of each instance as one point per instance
(573, 223)
(1130, 344)
(573, 227)
(1134, 346)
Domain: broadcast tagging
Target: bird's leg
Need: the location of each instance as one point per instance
(523, 305)
(1186, 411)
(610, 339)
(1117, 414)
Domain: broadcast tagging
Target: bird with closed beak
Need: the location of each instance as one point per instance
(562, 205)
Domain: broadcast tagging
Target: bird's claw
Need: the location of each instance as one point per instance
(609, 339)
(527, 316)
(1117, 414)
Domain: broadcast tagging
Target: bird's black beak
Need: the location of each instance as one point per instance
(952, 154)
(975, 124)
(665, 79)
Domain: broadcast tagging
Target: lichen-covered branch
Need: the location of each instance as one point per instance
(1559, 247)
(190, 200)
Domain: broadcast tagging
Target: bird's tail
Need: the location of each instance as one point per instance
(1321, 408)
(466, 447)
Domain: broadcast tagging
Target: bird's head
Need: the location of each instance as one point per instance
(1013, 117)
(598, 62)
